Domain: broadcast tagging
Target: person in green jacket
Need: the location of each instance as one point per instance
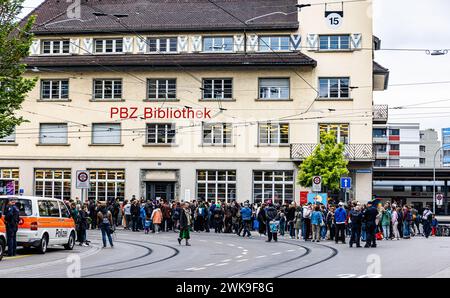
(386, 221)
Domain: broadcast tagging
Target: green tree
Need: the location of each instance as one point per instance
(15, 42)
(327, 161)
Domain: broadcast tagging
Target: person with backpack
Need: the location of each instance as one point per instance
(185, 224)
(246, 214)
(340, 215)
(200, 214)
(272, 223)
(12, 218)
(105, 222)
(426, 221)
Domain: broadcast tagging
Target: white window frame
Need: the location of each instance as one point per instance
(216, 183)
(221, 129)
(95, 180)
(158, 44)
(9, 139)
(114, 83)
(279, 89)
(103, 48)
(97, 125)
(60, 93)
(62, 126)
(166, 128)
(270, 126)
(329, 37)
(213, 90)
(13, 175)
(328, 79)
(221, 40)
(273, 184)
(52, 47)
(274, 44)
(63, 180)
(165, 84)
(339, 128)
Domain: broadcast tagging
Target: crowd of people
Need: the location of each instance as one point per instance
(311, 222)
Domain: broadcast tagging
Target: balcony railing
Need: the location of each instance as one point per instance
(353, 152)
(380, 113)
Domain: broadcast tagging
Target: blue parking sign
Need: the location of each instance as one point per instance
(346, 182)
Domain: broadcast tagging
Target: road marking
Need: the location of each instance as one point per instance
(197, 269)
(229, 244)
(210, 264)
(240, 247)
(259, 257)
(202, 240)
(225, 261)
(217, 242)
(238, 257)
(276, 253)
(291, 250)
(16, 257)
(221, 264)
(242, 260)
(245, 252)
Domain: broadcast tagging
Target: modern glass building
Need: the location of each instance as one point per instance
(446, 144)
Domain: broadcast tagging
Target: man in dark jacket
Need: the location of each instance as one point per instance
(340, 216)
(12, 219)
(271, 214)
(369, 217)
(135, 214)
(356, 219)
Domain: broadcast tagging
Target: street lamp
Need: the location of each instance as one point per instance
(434, 176)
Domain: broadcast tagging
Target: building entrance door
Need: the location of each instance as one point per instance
(162, 190)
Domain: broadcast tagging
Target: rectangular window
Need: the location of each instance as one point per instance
(106, 133)
(162, 89)
(399, 188)
(380, 163)
(55, 47)
(53, 133)
(9, 181)
(394, 132)
(108, 46)
(341, 131)
(217, 89)
(334, 42)
(394, 163)
(52, 183)
(277, 186)
(395, 147)
(380, 148)
(379, 133)
(273, 133)
(422, 148)
(217, 133)
(160, 133)
(11, 138)
(108, 89)
(273, 43)
(218, 44)
(54, 89)
(107, 185)
(162, 45)
(416, 188)
(334, 87)
(274, 88)
(216, 185)
(422, 161)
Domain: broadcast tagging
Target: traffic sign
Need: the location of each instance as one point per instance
(346, 182)
(317, 184)
(83, 179)
(439, 199)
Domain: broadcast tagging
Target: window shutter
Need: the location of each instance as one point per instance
(239, 43)
(128, 44)
(252, 43)
(356, 41)
(313, 42)
(75, 46)
(53, 133)
(141, 45)
(88, 45)
(106, 133)
(182, 43)
(36, 47)
(196, 43)
(296, 40)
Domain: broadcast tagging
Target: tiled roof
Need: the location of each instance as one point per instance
(163, 16)
(167, 61)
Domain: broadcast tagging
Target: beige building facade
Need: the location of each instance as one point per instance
(248, 100)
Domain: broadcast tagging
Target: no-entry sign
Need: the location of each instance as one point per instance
(83, 179)
(317, 184)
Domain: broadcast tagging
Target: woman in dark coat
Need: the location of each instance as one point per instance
(185, 224)
(262, 220)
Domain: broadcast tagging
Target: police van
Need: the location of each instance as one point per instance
(2, 237)
(43, 222)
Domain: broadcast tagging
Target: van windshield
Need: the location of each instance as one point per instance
(24, 206)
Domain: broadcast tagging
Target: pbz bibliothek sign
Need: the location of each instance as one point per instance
(159, 113)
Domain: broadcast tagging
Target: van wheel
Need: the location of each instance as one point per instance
(2, 248)
(43, 245)
(71, 243)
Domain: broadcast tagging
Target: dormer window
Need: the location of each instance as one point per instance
(273, 43)
(107, 46)
(55, 47)
(218, 44)
(162, 45)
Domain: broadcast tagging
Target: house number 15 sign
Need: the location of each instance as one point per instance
(334, 19)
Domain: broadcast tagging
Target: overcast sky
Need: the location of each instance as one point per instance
(412, 24)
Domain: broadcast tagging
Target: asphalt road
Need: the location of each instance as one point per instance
(229, 256)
